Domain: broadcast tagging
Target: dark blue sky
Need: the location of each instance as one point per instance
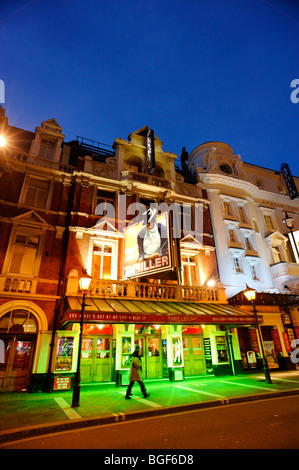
(192, 70)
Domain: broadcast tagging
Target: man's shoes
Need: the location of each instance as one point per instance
(127, 397)
(146, 395)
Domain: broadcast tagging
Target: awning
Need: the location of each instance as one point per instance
(155, 312)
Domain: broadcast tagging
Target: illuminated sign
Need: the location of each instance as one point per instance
(295, 244)
(62, 383)
(146, 246)
(150, 146)
(289, 181)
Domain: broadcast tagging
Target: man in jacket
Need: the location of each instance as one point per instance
(135, 374)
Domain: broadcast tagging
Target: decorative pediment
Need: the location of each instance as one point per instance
(105, 226)
(51, 123)
(276, 238)
(102, 229)
(31, 218)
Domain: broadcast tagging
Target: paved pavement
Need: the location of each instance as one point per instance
(24, 415)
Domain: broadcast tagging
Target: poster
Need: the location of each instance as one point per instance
(64, 355)
(177, 350)
(270, 354)
(146, 246)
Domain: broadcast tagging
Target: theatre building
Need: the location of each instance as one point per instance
(139, 228)
(164, 296)
(255, 219)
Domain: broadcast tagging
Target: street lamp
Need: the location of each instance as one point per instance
(2, 141)
(250, 295)
(84, 283)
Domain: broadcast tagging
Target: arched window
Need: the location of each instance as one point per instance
(133, 164)
(18, 321)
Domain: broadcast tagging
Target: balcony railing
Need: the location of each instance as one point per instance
(144, 291)
(147, 179)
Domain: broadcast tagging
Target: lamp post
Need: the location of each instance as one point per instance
(250, 295)
(84, 283)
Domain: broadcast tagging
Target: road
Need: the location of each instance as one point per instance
(267, 424)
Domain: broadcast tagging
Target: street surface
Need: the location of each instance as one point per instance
(266, 424)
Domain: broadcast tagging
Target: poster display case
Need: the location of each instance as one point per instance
(221, 349)
(64, 355)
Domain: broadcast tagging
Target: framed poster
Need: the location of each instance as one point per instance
(64, 356)
(147, 247)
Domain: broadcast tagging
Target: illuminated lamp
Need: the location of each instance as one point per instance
(84, 283)
(288, 220)
(250, 294)
(2, 141)
(211, 283)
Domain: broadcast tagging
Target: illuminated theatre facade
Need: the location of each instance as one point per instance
(170, 304)
(146, 234)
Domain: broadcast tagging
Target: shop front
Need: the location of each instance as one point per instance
(175, 339)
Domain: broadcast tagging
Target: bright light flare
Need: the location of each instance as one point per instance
(2, 141)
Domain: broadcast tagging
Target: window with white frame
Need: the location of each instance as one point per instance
(248, 244)
(276, 254)
(35, 192)
(242, 216)
(253, 272)
(232, 235)
(237, 264)
(24, 254)
(268, 222)
(104, 260)
(227, 210)
(189, 270)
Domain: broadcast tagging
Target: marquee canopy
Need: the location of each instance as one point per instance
(155, 312)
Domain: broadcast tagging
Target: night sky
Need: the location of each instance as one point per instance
(192, 70)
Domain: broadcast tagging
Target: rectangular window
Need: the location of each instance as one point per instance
(104, 198)
(242, 214)
(276, 254)
(227, 209)
(190, 277)
(253, 272)
(24, 255)
(47, 149)
(268, 222)
(102, 261)
(237, 265)
(231, 235)
(248, 245)
(36, 192)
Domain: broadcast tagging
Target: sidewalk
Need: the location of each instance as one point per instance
(24, 415)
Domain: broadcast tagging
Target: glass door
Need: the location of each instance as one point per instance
(194, 361)
(86, 367)
(96, 359)
(151, 356)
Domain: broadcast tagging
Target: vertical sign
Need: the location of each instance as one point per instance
(208, 355)
(289, 181)
(150, 146)
(254, 341)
